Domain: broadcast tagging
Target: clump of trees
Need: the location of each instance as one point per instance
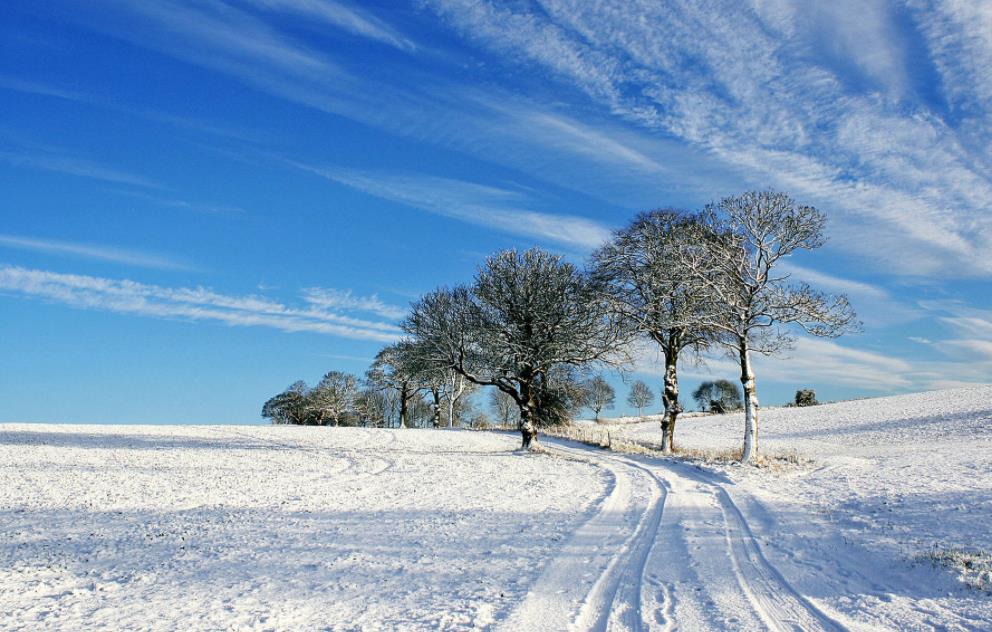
(806, 397)
(530, 324)
(720, 396)
(333, 401)
(640, 397)
(503, 406)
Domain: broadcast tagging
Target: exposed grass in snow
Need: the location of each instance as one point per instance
(974, 568)
(610, 438)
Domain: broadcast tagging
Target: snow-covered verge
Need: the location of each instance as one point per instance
(888, 489)
(276, 527)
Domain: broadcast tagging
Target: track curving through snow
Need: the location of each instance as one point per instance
(666, 548)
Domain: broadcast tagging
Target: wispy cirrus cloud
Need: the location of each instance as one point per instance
(332, 299)
(91, 251)
(194, 304)
(49, 161)
(196, 207)
(349, 18)
(483, 205)
(17, 84)
(876, 306)
(857, 142)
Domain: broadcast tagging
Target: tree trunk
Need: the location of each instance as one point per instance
(750, 405)
(404, 396)
(670, 399)
(457, 388)
(437, 407)
(528, 431)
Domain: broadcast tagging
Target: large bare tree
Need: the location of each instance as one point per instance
(753, 305)
(663, 298)
(526, 314)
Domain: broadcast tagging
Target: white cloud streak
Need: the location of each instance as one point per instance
(91, 251)
(332, 299)
(193, 304)
(492, 207)
(350, 19)
(75, 167)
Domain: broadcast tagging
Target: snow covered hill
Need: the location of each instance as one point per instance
(318, 528)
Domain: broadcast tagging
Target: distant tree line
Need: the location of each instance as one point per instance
(531, 325)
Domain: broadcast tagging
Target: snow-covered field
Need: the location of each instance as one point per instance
(204, 528)
(317, 528)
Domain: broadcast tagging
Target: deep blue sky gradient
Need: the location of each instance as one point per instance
(258, 150)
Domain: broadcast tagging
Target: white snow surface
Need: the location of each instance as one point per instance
(180, 527)
(281, 528)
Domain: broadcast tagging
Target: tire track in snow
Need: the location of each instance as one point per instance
(708, 573)
(778, 603)
(596, 580)
(350, 456)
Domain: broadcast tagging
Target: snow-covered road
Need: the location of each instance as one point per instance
(667, 549)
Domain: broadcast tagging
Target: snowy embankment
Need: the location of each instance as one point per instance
(321, 528)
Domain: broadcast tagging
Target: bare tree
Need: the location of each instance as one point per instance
(456, 387)
(333, 397)
(503, 405)
(395, 369)
(749, 303)
(641, 396)
(525, 314)
(599, 395)
(663, 298)
(375, 405)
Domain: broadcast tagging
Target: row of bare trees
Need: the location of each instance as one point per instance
(396, 390)
(690, 282)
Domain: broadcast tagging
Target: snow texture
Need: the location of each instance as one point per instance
(220, 527)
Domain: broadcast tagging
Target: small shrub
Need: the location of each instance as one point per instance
(806, 397)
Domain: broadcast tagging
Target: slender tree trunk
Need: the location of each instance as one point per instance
(670, 399)
(750, 405)
(457, 388)
(437, 407)
(404, 396)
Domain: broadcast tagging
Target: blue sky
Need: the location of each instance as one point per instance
(204, 201)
